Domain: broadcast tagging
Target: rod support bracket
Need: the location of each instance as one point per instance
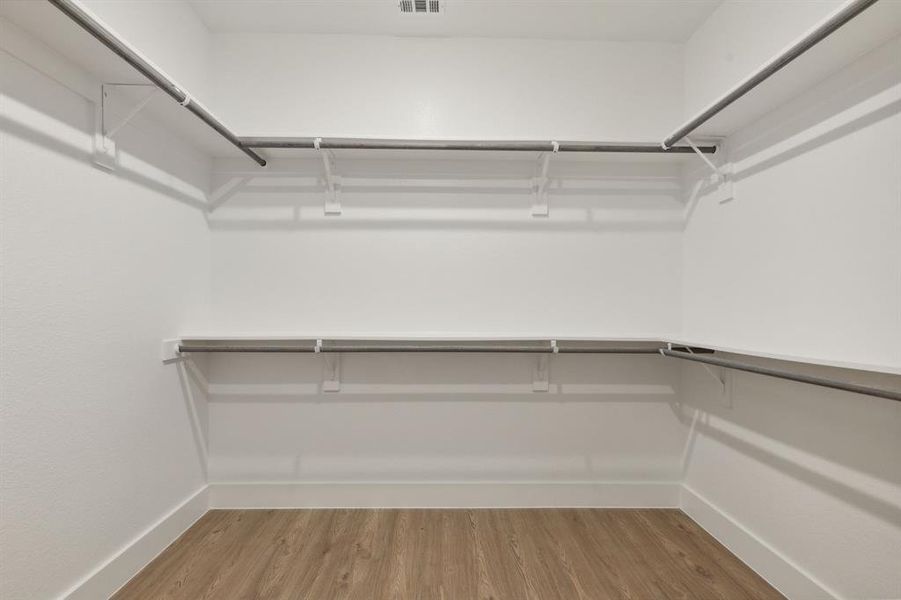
(169, 351)
(105, 153)
(721, 175)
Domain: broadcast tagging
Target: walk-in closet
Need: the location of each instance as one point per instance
(450, 299)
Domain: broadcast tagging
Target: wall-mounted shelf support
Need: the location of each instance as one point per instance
(540, 183)
(169, 351)
(720, 177)
(105, 130)
(332, 181)
(94, 26)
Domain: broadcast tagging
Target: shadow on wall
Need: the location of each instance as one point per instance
(828, 439)
(411, 377)
(194, 388)
(443, 417)
(46, 113)
(398, 189)
(862, 94)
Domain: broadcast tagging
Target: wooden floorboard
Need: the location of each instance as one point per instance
(516, 554)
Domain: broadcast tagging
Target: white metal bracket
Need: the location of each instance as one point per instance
(540, 184)
(331, 376)
(332, 181)
(105, 130)
(169, 351)
(721, 176)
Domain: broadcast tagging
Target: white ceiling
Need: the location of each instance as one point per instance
(619, 20)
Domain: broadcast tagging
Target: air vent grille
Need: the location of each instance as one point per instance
(422, 7)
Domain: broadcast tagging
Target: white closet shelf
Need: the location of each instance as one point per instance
(48, 41)
(737, 108)
(638, 342)
(389, 343)
(794, 358)
(90, 48)
(824, 50)
(174, 349)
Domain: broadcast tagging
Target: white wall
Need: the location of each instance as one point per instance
(426, 247)
(446, 245)
(415, 419)
(367, 86)
(99, 440)
(169, 34)
(810, 474)
(804, 261)
(737, 38)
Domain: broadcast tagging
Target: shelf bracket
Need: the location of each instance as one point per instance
(720, 176)
(331, 375)
(332, 181)
(169, 351)
(105, 130)
(540, 184)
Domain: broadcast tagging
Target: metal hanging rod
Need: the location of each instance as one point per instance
(848, 12)
(503, 146)
(691, 353)
(499, 346)
(809, 379)
(97, 29)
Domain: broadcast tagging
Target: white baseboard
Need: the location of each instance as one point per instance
(125, 564)
(445, 495)
(768, 562)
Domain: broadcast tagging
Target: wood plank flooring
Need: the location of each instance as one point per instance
(540, 554)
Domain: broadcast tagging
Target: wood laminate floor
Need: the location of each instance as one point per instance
(543, 554)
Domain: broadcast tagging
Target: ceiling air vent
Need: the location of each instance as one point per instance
(420, 6)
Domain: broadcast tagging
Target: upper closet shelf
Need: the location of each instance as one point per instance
(68, 27)
(857, 27)
(854, 29)
(51, 42)
(186, 346)
(85, 40)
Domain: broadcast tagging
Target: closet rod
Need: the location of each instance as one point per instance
(499, 346)
(848, 12)
(505, 146)
(809, 379)
(74, 11)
